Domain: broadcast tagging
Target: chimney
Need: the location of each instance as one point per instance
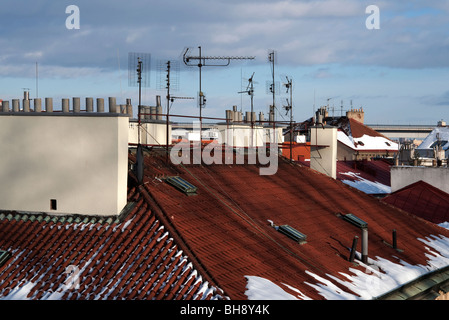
(323, 150)
(365, 245)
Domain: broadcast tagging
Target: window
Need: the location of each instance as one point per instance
(182, 185)
(4, 256)
(292, 233)
(355, 220)
(53, 204)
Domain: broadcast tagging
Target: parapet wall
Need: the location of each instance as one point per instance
(67, 105)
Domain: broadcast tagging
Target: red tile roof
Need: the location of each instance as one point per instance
(374, 170)
(174, 246)
(227, 224)
(358, 130)
(422, 200)
(131, 259)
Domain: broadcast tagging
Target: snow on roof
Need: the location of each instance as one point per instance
(443, 134)
(365, 185)
(367, 142)
(380, 277)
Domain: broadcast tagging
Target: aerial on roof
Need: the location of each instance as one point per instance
(241, 235)
(232, 223)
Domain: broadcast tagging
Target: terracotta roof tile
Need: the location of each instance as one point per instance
(226, 223)
(422, 200)
(112, 260)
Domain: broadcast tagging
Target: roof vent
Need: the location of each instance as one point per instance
(4, 256)
(355, 220)
(292, 233)
(182, 185)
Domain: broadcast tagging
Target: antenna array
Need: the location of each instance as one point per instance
(207, 61)
(133, 77)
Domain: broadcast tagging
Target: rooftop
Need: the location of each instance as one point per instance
(221, 242)
(423, 200)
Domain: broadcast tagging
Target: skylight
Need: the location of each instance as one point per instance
(355, 220)
(293, 233)
(182, 185)
(4, 256)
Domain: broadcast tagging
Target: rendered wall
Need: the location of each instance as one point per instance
(151, 133)
(79, 161)
(402, 176)
(323, 150)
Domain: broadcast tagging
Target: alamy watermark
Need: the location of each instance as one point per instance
(373, 20)
(73, 20)
(234, 145)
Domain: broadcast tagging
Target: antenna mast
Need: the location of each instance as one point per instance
(289, 108)
(250, 91)
(169, 99)
(271, 59)
(202, 62)
(142, 72)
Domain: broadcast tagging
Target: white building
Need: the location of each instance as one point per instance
(64, 163)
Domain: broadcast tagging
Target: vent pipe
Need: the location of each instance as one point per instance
(159, 112)
(229, 116)
(261, 117)
(49, 104)
(65, 105)
(15, 105)
(100, 105)
(353, 249)
(112, 105)
(152, 113)
(129, 108)
(5, 106)
(37, 105)
(395, 240)
(364, 245)
(76, 105)
(248, 116)
(26, 105)
(89, 104)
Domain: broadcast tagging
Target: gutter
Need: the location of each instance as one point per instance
(426, 287)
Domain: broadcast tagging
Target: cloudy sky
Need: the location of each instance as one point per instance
(398, 73)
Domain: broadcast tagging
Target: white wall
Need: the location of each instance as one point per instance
(151, 133)
(323, 150)
(402, 176)
(81, 161)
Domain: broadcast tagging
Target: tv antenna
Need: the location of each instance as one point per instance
(250, 90)
(139, 75)
(289, 108)
(207, 61)
(272, 58)
(170, 65)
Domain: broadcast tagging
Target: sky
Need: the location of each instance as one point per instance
(398, 73)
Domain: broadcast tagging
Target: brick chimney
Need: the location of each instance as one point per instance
(356, 114)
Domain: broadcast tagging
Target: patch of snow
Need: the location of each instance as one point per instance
(444, 225)
(368, 142)
(20, 293)
(126, 224)
(379, 277)
(367, 186)
(259, 288)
